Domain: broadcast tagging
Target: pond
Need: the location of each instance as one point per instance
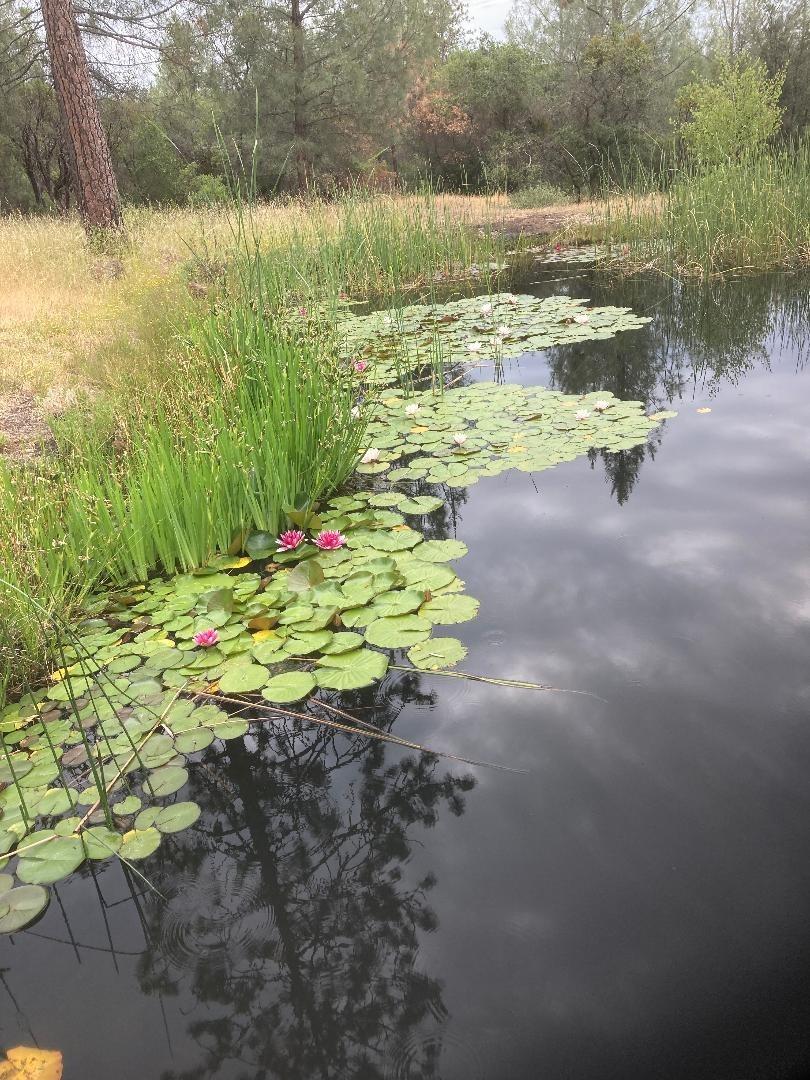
(627, 897)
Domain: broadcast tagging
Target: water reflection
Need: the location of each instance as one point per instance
(291, 920)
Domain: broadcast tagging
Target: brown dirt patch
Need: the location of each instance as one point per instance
(23, 427)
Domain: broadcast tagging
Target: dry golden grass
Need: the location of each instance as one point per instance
(69, 317)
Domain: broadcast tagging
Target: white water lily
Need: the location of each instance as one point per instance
(581, 318)
(412, 409)
(355, 412)
(387, 320)
(486, 309)
(371, 455)
(459, 438)
(474, 346)
(601, 405)
(504, 331)
(581, 414)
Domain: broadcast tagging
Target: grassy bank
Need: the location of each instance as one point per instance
(70, 316)
(750, 215)
(212, 399)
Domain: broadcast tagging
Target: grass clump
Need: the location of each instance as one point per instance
(747, 215)
(539, 196)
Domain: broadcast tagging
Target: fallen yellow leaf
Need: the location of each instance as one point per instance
(29, 1063)
(704, 409)
(264, 635)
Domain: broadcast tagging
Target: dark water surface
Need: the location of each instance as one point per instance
(636, 904)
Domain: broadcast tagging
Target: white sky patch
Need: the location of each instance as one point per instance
(489, 16)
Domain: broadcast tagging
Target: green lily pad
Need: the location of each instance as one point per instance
(356, 669)
(21, 906)
(190, 742)
(243, 678)
(291, 686)
(139, 843)
(100, 843)
(450, 608)
(51, 861)
(164, 781)
(398, 631)
(437, 653)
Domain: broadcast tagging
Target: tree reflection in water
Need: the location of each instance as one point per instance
(290, 918)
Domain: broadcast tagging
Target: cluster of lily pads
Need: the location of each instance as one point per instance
(482, 430)
(473, 329)
(90, 761)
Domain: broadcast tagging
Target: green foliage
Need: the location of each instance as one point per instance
(539, 195)
(734, 116)
(750, 214)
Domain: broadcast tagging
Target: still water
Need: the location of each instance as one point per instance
(633, 902)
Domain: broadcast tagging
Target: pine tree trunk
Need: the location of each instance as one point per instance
(85, 139)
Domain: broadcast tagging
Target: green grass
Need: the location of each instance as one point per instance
(751, 215)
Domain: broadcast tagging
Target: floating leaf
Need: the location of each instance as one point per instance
(437, 653)
(130, 805)
(164, 781)
(352, 670)
(260, 544)
(18, 909)
(243, 679)
(139, 843)
(421, 504)
(398, 631)
(291, 686)
(51, 861)
(191, 742)
(450, 608)
(168, 819)
(100, 843)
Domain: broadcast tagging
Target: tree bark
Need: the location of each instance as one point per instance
(299, 107)
(85, 140)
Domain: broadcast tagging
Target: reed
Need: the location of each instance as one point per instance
(747, 215)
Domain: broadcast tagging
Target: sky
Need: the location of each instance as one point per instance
(489, 15)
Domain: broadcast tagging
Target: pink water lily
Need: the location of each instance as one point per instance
(459, 438)
(206, 638)
(601, 405)
(329, 540)
(302, 311)
(360, 366)
(371, 455)
(290, 540)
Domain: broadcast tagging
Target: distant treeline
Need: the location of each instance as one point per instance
(386, 92)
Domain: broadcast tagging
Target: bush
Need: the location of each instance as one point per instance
(733, 117)
(538, 196)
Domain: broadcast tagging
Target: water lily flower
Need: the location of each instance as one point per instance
(504, 331)
(581, 318)
(486, 309)
(388, 320)
(206, 638)
(371, 455)
(459, 438)
(558, 248)
(360, 365)
(290, 540)
(329, 540)
(412, 409)
(601, 405)
(474, 346)
(302, 311)
(581, 414)
(355, 412)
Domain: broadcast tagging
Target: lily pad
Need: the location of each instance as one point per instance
(437, 653)
(50, 861)
(398, 631)
(291, 686)
(243, 678)
(21, 906)
(356, 669)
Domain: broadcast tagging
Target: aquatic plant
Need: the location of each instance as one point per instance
(465, 331)
(157, 672)
(482, 430)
